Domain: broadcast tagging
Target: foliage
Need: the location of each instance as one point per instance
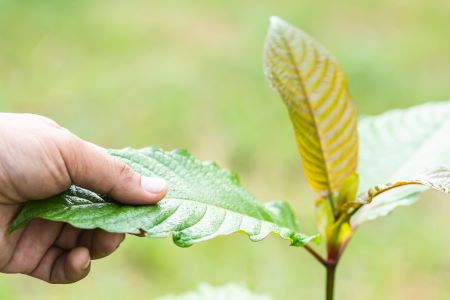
(397, 145)
(397, 149)
(315, 92)
(203, 202)
(226, 292)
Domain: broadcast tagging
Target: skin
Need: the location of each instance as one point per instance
(39, 159)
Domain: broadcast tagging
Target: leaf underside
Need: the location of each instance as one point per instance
(438, 179)
(315, 92)
(397, 145)
(203, 202)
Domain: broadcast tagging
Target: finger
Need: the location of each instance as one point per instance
(85, 238)
(59, 266)
(100, 243)
(68, 238)
(93, 168)
(104, 243)
(33, 244)
(8, 241)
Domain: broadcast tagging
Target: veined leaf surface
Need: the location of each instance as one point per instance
(314, 89)
(438, 179)
(203, 202)
(401, 144)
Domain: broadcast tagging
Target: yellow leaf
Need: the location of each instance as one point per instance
(315, 92)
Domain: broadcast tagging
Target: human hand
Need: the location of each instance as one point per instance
(39, 159)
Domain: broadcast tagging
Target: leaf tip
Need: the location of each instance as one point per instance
(276, 23)
(16, 224)
(275, 20)
(181, 240)
(11, 229)
(316, 239)
(300, 240)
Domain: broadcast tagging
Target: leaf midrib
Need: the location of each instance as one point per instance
(75, 206)
(160, 164)
(366, 208)
(303, 88)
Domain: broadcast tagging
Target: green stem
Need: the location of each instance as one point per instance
(331, 271)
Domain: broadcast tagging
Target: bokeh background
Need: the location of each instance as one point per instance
(188, 74)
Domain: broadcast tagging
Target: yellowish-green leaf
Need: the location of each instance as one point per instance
(324, 216)
(315, 92)
(348, 191)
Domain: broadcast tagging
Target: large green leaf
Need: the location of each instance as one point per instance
(203, 202)
(401, 144)
(314, 89)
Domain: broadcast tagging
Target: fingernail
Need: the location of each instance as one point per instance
(153, 185)
(87, 265)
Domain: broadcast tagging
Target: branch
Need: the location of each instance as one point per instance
(316, 255)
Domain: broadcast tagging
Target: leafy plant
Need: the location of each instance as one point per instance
(359, 170)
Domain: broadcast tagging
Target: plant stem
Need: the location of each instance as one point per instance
(331, 271)
(330, 266)
(316, 255)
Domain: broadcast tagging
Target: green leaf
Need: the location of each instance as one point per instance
(203, 202)
(225, 292)
(438, 179)
(401, 144)
(314, 89)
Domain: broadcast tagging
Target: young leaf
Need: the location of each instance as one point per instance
(203, 202)
(315, 92)
(398, 144)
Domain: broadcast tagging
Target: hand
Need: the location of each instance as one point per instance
(39, 159)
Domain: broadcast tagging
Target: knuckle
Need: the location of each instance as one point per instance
(126, 174)
(43, 119)
(70, 148)
(23, 267)
(67, 138)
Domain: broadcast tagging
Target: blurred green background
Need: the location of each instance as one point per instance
(188, 74)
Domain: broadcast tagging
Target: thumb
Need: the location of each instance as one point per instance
(91, 167)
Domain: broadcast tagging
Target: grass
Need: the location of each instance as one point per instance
(188, 74)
